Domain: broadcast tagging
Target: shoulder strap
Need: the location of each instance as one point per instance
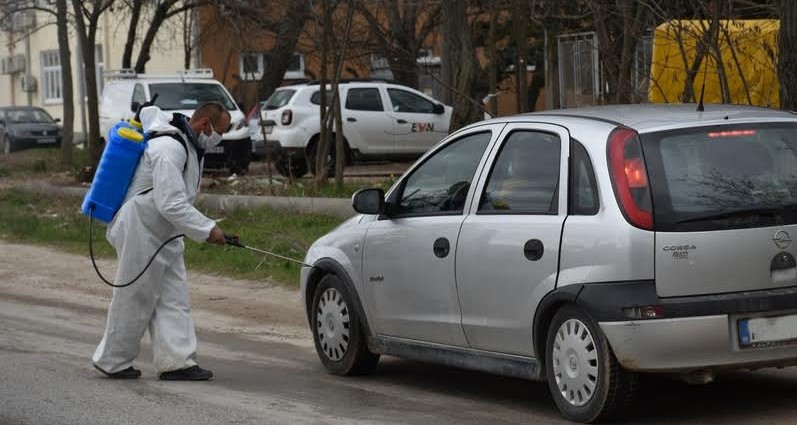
(175, 137)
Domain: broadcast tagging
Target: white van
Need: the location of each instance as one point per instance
(181, 92)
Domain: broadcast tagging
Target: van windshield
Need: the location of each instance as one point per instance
(176, 96)
(279, 99)
(721, 177)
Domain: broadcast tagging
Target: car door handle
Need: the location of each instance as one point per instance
(533, 249)
(400, 121)
(350, 119)
(441, 247)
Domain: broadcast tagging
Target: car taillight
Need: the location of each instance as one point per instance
(630, 178)
(287, 117)
(731, 133)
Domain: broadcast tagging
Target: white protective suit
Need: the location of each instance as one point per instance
(159, 300)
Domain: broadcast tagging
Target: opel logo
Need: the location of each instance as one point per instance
(782, 239)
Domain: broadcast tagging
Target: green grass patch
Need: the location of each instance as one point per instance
(280, 186)
(40, 162)
(57, 222)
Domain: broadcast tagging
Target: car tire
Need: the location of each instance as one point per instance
(312, 153)
(295, 167)
(585, 379)
(8, 145)
(339, 337)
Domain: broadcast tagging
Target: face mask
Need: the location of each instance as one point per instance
(206, 142)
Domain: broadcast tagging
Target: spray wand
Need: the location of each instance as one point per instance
(234, 240)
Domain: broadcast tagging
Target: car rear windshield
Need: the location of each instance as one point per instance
(723, 177)
(176, 96)
(279, 99)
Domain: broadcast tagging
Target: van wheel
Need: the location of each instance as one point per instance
(585, 379)
(337, 331)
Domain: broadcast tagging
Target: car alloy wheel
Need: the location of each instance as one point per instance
(6, 145)
(575, 362)
(333, 324)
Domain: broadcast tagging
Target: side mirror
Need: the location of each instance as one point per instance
(369, 201)
(134, 106)
(57, 120)
(439, 109)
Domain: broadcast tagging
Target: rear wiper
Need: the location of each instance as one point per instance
(739, 213)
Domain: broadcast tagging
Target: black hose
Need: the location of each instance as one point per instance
(94, 263)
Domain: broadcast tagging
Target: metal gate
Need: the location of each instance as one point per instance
(579, 70)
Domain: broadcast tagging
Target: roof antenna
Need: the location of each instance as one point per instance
(702, 89)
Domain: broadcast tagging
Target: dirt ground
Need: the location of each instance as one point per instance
(257, 310)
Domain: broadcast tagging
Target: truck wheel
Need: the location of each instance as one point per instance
(585, 379)
(337, 331)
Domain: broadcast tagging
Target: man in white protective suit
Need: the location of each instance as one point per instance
(159, 205)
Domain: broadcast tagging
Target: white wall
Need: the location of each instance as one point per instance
(166, 56)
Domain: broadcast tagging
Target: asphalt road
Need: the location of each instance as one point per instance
(267, 372)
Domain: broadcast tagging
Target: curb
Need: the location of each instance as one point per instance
(339, 207)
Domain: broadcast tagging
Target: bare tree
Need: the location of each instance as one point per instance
(65, 55)
(400, 29)
(87, 21)
(60, 10)
(787, 53)
(520, 24)
(460, 67)
(160, 14)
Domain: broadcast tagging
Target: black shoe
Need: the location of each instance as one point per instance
(193, 373)
(129, 373)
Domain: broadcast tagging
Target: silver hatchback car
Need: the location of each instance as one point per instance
(580, 247)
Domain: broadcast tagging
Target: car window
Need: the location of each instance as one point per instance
(404, 101)
(18, 116)
(700, 172)
(440, 184)
(525, 176)
(583, 187)
(138, 96)
(315, 99)
(279, 99)
(364, 99)
(175, 96)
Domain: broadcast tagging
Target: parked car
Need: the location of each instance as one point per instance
(381, 121)
(581, 247)
(125, 91)
(24, 127)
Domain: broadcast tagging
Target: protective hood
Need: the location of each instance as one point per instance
(157, 121)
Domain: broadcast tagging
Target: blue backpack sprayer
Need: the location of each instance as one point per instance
(126, 144)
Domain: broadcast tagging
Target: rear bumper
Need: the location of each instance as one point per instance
(688, 344)
(691, 333)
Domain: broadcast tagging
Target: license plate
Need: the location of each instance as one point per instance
(215, 149)
(269, 128)
(45, 141)
(768, 331)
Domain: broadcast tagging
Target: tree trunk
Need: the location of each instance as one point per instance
(132, 29)
(492, 53)
(62, 24)
(520, 23)
(160, 16)
(787, 54)
(296, 15)
(322, 149)
(86, 38)
(460, 67)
